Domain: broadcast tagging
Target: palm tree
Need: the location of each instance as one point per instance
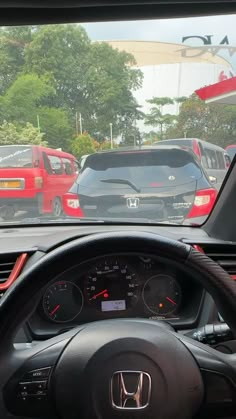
(156, 116)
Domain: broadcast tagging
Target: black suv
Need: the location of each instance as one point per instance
(165, 184)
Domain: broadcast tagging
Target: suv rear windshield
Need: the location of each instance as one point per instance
(179, 141)
(15, 156)
(161, 167)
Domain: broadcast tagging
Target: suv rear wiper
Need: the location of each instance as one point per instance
(122, 182)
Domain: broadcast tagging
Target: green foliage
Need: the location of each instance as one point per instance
(56, 68)
(27, 93)
(215, 123)
(91, 78)
(156, 117)
(13, 44)
(82, 145)
(56, 126)
(10, 134)
(106, 145)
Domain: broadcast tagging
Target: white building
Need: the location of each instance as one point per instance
(173, 70)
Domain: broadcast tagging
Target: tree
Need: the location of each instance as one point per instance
(31, 135)
(58, 67)
(215, 123)
(13, 44)
(130, 133)
(10, 135)
(131, 136)
(150, 138)
(93, 79)
(82, 145)
(24, 101)
(56, 126)
(106, 145)
(157, 117)
(23, 98)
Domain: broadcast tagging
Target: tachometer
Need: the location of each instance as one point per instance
(62, 301)
(162, 295)
(112, 285)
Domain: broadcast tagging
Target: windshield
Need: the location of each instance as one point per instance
(15, 156)
(128, 120)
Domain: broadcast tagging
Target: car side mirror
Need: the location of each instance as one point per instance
(213, 180)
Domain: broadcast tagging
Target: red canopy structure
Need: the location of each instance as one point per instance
(223, 92)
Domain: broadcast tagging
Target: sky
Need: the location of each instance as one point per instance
(170, 30)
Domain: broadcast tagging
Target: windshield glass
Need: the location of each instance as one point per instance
(15, 156)
(124, 120)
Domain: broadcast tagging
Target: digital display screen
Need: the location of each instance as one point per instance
(115, 305)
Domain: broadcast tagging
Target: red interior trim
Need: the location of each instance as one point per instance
(20, 262)
(198, 248)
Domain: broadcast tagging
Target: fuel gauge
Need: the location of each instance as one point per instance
(162, 295)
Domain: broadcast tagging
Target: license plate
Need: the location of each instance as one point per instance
(10, 184)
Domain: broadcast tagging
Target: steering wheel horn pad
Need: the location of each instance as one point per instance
(84, 378)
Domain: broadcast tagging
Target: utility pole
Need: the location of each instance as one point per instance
(76, 124)
(80, 124)
(111, 135)
(38, 123)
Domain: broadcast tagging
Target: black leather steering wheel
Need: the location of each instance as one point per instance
(124, 368)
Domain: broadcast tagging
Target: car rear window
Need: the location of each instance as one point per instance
(147, 169)
(179, 141)
(15, 156)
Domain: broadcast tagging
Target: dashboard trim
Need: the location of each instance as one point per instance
(20, 263)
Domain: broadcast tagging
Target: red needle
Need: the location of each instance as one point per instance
(55, 310)
(97, 295)
(171, 301)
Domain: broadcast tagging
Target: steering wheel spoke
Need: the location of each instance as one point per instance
(27, 388)
(218, 371)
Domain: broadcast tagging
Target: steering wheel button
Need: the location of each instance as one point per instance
(38, 374)
(219, 390)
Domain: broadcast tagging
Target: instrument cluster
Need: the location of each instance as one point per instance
(116, 287)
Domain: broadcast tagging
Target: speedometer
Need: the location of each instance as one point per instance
(112, 285)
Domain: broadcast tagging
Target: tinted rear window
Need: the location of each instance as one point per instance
(147, 169)
(15, 156)
(180, 142)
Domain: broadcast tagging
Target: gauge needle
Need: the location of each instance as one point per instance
(55, 310)
(97, 295)
(171, 301)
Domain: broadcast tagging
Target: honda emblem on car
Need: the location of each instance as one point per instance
(132, 202)
(130, 390)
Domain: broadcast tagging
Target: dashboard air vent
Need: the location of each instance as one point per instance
(224, 255)
(10, 268)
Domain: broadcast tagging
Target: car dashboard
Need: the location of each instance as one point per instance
(117, 286)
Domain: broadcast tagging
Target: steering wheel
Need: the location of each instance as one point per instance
(123, 368)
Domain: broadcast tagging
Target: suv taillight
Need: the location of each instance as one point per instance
(203, 203)
(71, 205)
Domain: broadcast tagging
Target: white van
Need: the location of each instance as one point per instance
(212, 157)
